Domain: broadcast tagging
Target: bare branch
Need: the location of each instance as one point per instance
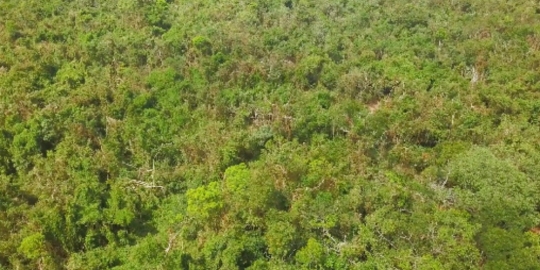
(145, 184)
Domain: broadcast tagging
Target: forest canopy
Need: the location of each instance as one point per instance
(269, 134)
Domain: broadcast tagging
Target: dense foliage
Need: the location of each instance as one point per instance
(269, 134)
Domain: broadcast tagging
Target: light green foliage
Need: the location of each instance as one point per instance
(202, 44)
(71, 75)
(312, 255)
(509, 249)
(318, 172)
(157, 16)
(4, 154)
(33, 246)
(237, 179)
(496, 192)
(309, 71)
(502, 199)
(120, 210)
(280, 238)
(205, 202)
(291, 134)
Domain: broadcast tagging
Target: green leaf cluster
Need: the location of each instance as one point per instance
(293, 134)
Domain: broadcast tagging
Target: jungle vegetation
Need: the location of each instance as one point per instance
(269, 134)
